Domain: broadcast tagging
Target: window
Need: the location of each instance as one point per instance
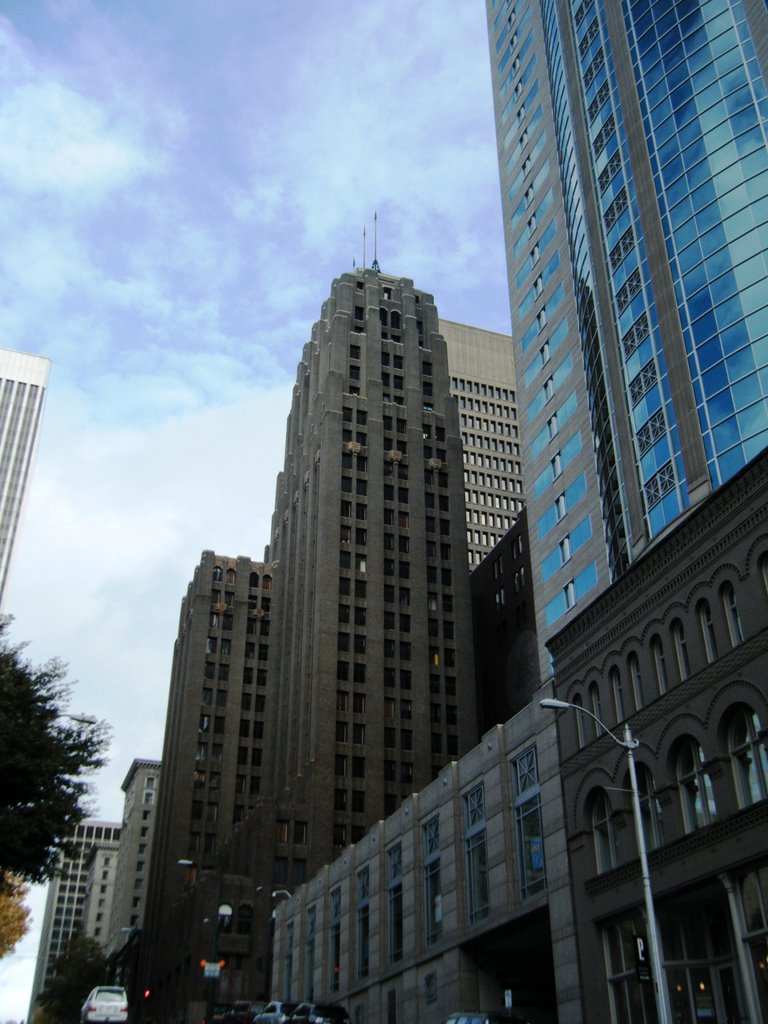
(707, 630)
(476, 856)
(433, 898)
(395, 903)
(659, 664)
(650, 808)
(728, 598)
(636, 680)
(617, 689)
(363, 923)
(681, 649)
(530, 845)
(309, 951)
(603, 832)
(579, 719)
(597, 711)
(695, 787)
(747, 749)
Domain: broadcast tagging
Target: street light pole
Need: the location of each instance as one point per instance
(630, 744)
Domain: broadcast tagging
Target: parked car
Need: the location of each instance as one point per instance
(243, 1012)
(275, 1013)
(319, 1013)
(107, 1004)
(483, 1017)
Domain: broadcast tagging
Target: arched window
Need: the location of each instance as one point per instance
(218, 574)
(706, 625)
(763, 567)
(650, 809)
(748, 754)
(597, 711)
(617, 690)
(681, 649)
(579, 719)
(633, 664)
(728, 597)
(696, 794)
(266, 583)
(383, 316)
(231, 575)
(659, 664)
(254, 580)
(394, 319)
(604, 832)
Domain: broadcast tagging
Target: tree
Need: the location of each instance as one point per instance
(13, 914)
(44, 755)
(80, 968)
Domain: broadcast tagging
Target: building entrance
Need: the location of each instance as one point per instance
(701, 968)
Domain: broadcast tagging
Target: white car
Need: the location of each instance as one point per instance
(106, 1004)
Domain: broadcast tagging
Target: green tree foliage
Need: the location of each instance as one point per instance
(44, 756)
(80, 968)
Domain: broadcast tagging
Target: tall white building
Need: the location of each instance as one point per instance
(482, 373)
(23, 380)
(65, 903)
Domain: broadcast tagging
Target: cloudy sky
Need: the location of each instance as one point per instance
(181, 180)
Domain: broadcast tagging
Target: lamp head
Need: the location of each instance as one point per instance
(554, 703)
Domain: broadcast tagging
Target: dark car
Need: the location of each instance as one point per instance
(275, 1013)
(319, 1013)
(483, 1017)
(243, 1012)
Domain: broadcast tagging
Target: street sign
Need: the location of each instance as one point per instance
(212, 970)
(642, 963)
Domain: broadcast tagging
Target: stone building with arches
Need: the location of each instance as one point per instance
(678, 648)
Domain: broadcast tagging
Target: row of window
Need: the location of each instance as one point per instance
(689, 770)
(395, 896)
(628, 689)
(219, 575)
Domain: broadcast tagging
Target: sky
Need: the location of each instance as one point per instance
(180, 182)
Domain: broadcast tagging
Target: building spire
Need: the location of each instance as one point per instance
(375, 265)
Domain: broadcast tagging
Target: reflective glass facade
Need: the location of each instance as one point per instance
(567, 501)
(705, 115)
(655, 120)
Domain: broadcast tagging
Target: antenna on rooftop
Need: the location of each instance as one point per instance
(375, 265)
(363, 246)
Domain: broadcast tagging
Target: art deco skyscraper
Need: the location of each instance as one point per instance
(372, 642)
(23, 380)
(634, 170)
(311, 693)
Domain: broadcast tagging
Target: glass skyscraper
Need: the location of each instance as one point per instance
(633, 147)
(23, 381)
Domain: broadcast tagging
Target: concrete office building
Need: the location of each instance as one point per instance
(634, 173)
(65, 901)
(211, 774)
(504, 621)
(483, 382)
(445, 904)
(101, 876)
(356, 686)
(23, 380)
(139, 814)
